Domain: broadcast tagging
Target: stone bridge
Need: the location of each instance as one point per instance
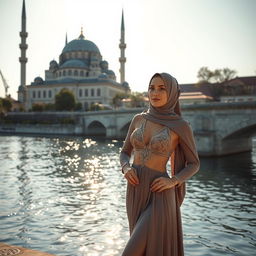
(219, 128)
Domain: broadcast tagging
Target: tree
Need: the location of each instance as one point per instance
(117, 99)
(65, 100)
(37, 107)
(227, 74)
(49, 107)
(96, 107)
(137, 99)
(78, 106)
(204, 75)
(6, 104)
(217, 76)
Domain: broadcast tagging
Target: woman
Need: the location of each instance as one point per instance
(153, 198)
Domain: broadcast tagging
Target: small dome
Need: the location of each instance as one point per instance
(73, 64)
(104, 65)
(53, 65)
(21, 88)
(125, 84)
(110, 72)
(38, 80)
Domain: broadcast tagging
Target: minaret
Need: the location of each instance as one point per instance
(66, 40)
(122, 47)
(23, 60)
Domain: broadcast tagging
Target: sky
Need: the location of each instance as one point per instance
(174, 36)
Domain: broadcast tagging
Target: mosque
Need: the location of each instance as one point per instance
(80, 69)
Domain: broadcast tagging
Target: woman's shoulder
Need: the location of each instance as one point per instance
(137, 118)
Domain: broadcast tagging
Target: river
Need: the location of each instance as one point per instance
(66, 196)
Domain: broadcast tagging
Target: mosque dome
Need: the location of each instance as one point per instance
(38, 80)
(125, 84)
(53, 65)
(21, 88)
(81, 44)
(104, 65)
(73, 64)
(110, 73)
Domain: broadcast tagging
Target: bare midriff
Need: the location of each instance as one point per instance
(151, 160)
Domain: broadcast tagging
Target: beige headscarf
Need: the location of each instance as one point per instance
(185, 154)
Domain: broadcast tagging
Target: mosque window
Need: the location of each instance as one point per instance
(34, 94)
(80, 93)
(98, 92)
(39, 94)
(86, 92)
(44, 94)
(81, 73)
(92, 92)
(64, 72)
(49, 94)
(70, 73)
(75, 73)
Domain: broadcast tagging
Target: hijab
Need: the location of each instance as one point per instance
(170, 115)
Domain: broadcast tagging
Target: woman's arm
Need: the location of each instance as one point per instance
(187, 146)
(127, 148)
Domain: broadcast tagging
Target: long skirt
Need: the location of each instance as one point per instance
(154, 218)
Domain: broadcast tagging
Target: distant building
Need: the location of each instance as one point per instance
(194, 98)
(80, 69)
(233, 90)
(239, 89)
(195, 93)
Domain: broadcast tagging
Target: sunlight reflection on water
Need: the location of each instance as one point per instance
(67, 196)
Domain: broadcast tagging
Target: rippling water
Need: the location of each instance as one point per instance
(66, 196)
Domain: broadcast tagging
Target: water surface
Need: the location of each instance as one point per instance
(66, 196)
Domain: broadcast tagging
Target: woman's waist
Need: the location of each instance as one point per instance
(154, 164)
(150, 168)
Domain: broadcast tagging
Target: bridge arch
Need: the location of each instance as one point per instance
(239, 140)
(124, 129)
(239, 127)
(96, 128)
(245, 132)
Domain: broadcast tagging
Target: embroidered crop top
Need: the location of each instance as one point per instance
(159, 144)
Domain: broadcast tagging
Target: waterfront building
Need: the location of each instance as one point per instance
(80, 69)
(239, 89)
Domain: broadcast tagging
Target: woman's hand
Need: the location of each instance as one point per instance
(162, 183)
(131, 175)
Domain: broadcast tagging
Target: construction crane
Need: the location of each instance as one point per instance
(6, 86)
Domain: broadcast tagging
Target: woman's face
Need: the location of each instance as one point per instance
(157, 92)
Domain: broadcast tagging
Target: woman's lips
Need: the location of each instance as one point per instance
(155, 99)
